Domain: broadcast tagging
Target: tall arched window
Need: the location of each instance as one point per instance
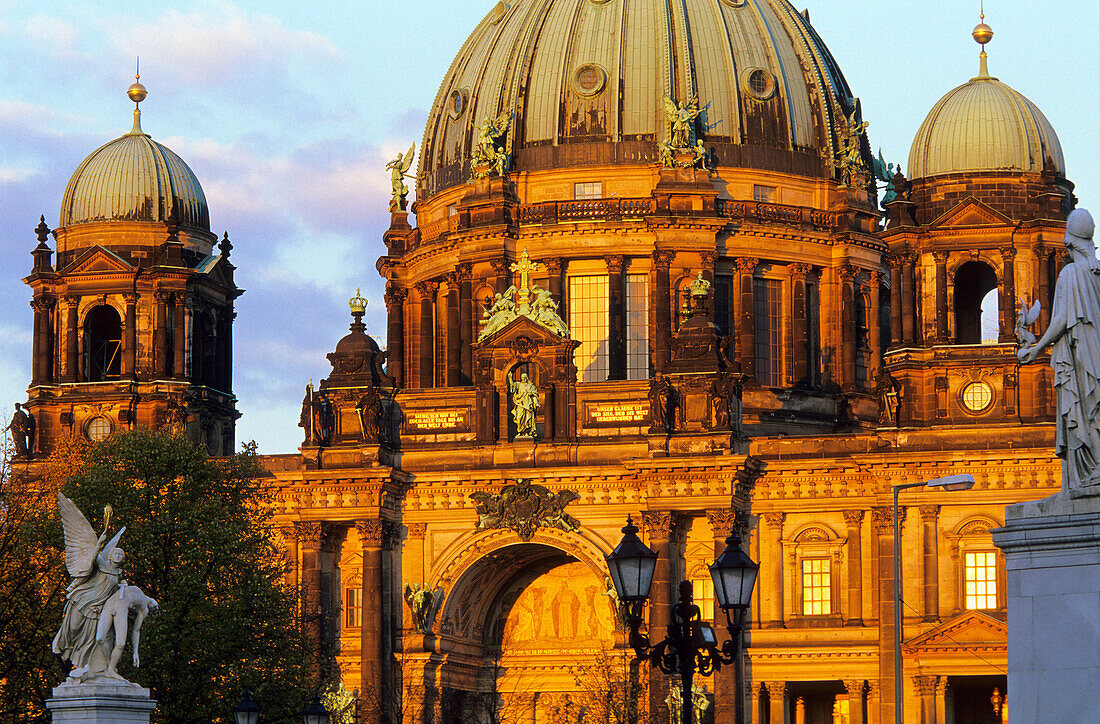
(975, 303)
(102, 344)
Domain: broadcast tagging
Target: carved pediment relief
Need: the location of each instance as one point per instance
(97, 259)
(972, 629)
(971, 212)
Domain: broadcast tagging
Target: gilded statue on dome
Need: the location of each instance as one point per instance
(850, 145)
(398, 169)
(681, 121)
(490, 153)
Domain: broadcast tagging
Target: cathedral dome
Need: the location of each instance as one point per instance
(134, 178)
(984, 125)
(584, 83)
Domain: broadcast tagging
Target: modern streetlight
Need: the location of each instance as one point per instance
(691, 644)
(315, 713)
(247, 712)
(961, 481)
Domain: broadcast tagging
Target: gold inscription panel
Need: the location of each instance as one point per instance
(616, 414)
(449, 419)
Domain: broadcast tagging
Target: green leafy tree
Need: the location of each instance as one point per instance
(198, 540)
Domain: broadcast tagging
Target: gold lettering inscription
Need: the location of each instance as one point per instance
(614, 414)
(446, 419)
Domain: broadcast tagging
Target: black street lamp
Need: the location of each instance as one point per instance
(247, 712)
(691, 644)
(315, 713)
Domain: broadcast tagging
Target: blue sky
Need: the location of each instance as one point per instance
(288, 111)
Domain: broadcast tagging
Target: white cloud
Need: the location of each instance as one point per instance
(55, 36)
(14, 175)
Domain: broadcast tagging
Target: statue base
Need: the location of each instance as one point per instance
(1052, 561)
(100, 701)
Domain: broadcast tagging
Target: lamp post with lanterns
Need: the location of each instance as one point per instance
(690, 645)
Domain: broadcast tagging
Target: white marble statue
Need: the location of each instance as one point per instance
(1074, 334)
(97, 603)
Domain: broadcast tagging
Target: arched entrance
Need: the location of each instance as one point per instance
(522, 634)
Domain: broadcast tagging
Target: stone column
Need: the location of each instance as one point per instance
(909, 300)
(1008, 296)
(925, 687)
(372, 534)
(502, 275)
(854, 689)
(746, 315)
(953, 596)
(726, 696)
(895, 300)
(854, 521)
(454, 333)
(426, 363)
(468, 322)
(309, 545)
(874, 700)
(39, 341)
(800, 711)
(882, 524)
(70, 359)
(777, 701)
(772, 581)
(1043, 275)
(616, 308)
(129, 351)
(179, 339)
(940, 258)
(874, 328)
(800, 367)
(847, 280)
(941, 700)
(395, 332)
(288, 534)
(658, 528)
(554, 269)
(661, 323)
(160, 335)
(930, 551)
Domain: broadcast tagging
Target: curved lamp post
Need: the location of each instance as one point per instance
(691, 645)
(246, 712)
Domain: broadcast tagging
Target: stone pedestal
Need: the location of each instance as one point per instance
(100, 702)
(1052, 558)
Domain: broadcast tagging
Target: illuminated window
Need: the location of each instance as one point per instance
(637, 326)
(702, 590)
(588, 324)
(588, 190)
(353, 608)
(817, 598)
(768, 330)
(981, 580)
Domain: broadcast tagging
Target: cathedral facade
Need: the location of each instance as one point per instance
(646, 274)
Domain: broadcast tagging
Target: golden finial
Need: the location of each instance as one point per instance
(982, 34)
(137, 93)
(358, 304)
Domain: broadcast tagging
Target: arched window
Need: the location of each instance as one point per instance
(975, 304)
(102, 344)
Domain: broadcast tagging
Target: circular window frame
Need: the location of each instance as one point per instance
(735, 3)
(746, 84)
(88, 428)
(982, 410)
(464, 96)
(596, 89)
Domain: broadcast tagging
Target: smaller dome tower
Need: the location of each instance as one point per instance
(974, 234)
(133, 323)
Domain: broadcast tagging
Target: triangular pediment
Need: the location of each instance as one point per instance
(218, 270)
(971, 212)
(972, 628)
(523, 326)
(98, 260)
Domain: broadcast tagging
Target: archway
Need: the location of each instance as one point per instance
(102, 344)
(519, 628)
(975, 302)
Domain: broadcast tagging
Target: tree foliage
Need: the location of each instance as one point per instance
(198, 540)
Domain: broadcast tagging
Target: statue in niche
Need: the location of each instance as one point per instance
(398, 169)
(660, 404)
(700, 703)
(97, 603)
(369, 409)
(1074, 336)
(724, 397)
(422, 602)
(22, 431)
(889, 398)
(525, 405)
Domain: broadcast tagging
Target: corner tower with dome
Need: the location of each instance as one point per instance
(133, 318)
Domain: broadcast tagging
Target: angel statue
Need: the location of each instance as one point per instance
(489, 154)
(885, 172)
(681, 119)
(90, 614)
(398, 169)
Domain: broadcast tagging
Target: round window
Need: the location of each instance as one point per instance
(98, 428)
(456, 103)
(589, 79)
(977, 396)
(759, 83)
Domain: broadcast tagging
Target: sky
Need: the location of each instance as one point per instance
(288, 112)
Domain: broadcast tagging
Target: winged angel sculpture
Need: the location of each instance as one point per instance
(399, 169)
(98, 604)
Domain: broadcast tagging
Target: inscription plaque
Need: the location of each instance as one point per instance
(443, 420)
(616, 414)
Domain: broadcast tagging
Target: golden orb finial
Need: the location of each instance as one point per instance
(137, 91)
(982, 34)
